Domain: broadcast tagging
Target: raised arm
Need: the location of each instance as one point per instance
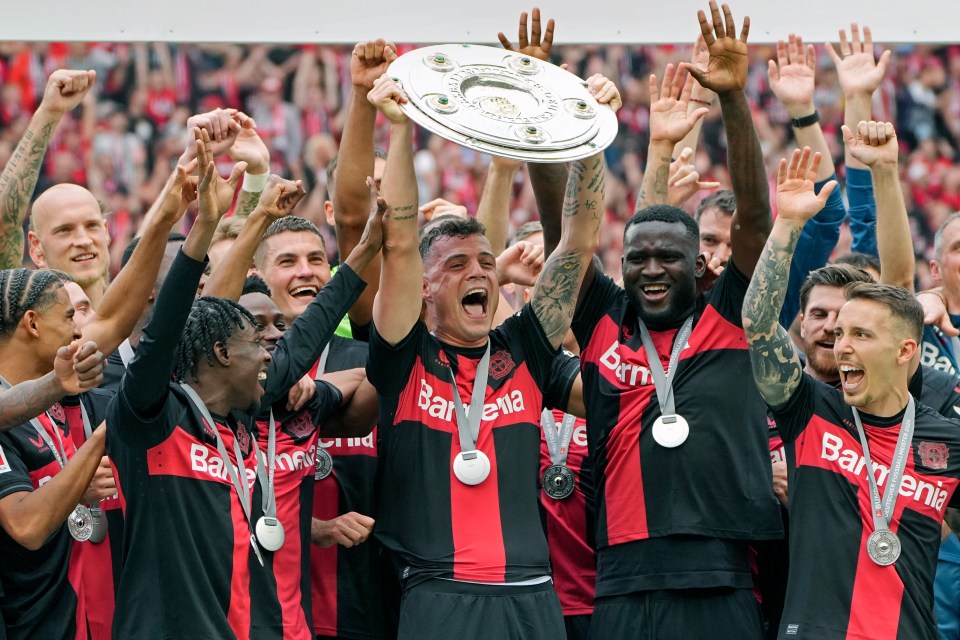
(875, 146)
(669, 124)
(860, 73)
(127, 295)
(493, 212)
(726, 74)
(146, 383)
(776, 367)
(699, 97)
(401, 273)
(75, 369)
(249, 148)
(64, 91)
(570, 268)
(355, 162)
(277, 199)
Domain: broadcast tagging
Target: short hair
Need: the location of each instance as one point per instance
(664, 213)
(332, 167)
(211, 320)
(128, 252)
(255, 284)
(832, 275)
(228, 229)
(456, 227)
(526, 230)
(23, 290)
(901, 304)
(860, 260)
(724, 201)
(283, 225)
(938, 236)
(432, 222)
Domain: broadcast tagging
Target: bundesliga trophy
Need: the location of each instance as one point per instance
(503, 103)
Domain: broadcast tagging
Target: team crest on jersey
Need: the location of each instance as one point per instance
(501, 364)
(56, 412)
(933, 455)
(4, 465)
(299, 426)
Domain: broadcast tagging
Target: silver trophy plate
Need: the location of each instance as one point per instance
(503, 103)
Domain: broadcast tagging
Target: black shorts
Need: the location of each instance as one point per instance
(444, 609)
(717, 614)
(578, 627)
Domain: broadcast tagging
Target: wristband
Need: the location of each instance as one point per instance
(254, 182)
(806, 121)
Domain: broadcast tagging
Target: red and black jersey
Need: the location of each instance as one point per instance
(346, 592)
(569, 522)
(40, 595)
(834, 589)
(436, 525)
(96, 566)
(283, 591)
(675, 518)
(187, 553)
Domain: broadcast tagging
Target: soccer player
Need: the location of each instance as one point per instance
(458, 498)
(873, 470)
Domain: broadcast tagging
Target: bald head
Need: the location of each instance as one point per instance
(68, 232)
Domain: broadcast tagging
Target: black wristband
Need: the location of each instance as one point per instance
(806, 121)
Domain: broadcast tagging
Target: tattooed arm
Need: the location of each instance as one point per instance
(64, 91)
(396, 308)
(557, 289)
(75, 369)
(776, 367)
(669, 124)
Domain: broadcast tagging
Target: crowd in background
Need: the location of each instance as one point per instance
(122, 143)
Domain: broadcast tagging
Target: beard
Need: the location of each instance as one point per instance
(821, 363)
(683, 297)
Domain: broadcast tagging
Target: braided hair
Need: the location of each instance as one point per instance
(23, 290)
(211, 320)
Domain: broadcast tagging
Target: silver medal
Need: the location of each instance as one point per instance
(324, 464)
(558, 481)
(471, 467)
(270, 533)
(80, 523)
(883, 547)
(670, 431)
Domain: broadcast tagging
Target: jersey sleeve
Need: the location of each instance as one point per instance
(304, 341)
(389, 366)
(793, 417)
(14, 475)
(728, 292)
(325, 402)
(524, 330)
(602, 295)
(145, 386)
(563, 372)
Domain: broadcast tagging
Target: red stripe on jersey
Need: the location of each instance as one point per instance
(238, 615)
(877, 593)
(323, 560)
(95, 591)
(183, 455)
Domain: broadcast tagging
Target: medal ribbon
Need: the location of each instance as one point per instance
(322, 367)
(266, 475)
(88, 431)
(126, 352)
(558, 444)
(59, 453)
(883, 510)
(662, 380)
(238, 473)
(469, 426)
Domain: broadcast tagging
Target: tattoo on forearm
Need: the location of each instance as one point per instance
(776, 368)
(17, 183)
(571, 200)
(246, 203)
(402, 210)
(26, 401)
(556, 293)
